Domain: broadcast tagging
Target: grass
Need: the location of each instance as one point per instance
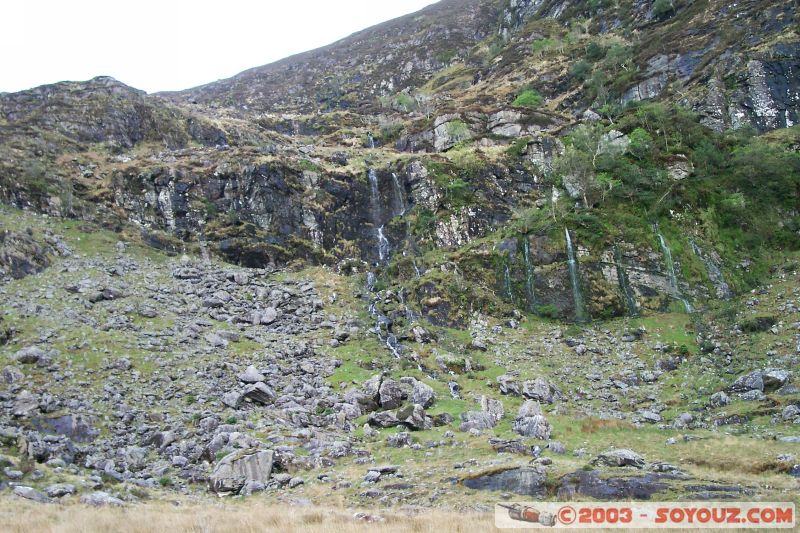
(250, 516)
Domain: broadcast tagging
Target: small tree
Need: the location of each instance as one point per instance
(662, 8)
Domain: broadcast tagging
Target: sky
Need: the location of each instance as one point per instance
(170, 44)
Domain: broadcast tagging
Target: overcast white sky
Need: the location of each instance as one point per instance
(160, 45)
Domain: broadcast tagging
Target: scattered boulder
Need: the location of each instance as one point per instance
(99, 499)
(259, 393)
(239, 468)
(530, 422)
(541, 390)
(619, 457)
(29, 355)
(29, 493)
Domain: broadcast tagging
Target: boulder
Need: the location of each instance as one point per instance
(390, 394)
(618, 457)
(752, 381)
(530, 422)
(251, 375)
(422, 394)
(29, 493)
(29, 355)
(98, 499)
(259, 393)
(541, 390)
(508, 384)
(239, 468)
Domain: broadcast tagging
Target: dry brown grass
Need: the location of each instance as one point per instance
(17, 515)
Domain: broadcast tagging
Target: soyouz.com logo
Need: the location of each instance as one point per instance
(659, 515)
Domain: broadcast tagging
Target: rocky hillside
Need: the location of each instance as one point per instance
(438, 240)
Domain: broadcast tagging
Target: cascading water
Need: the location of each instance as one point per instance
(371, 140)
(377, 215)
(577, 296)
(670, 265)
(400, 196)
(530, 283)
(383, 245)
(624, 284)
(417, 271)
(507, 281)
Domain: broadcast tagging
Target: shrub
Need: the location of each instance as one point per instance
(662, 8)
(458, 131)
(529, 98)
(580, 70)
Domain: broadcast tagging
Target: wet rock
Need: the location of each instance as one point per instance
(590, 484)
(527, 481)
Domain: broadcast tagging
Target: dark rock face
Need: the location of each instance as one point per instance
(21, 255)
(76, 428)
(523, 481)
(590, 484)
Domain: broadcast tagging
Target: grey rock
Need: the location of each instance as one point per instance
(719, 399)
(752, 381)
(29, 355)
(259, 393)
(239, 468)
(99, 499)
(390, 394)
(508, 384)
(530, 422)
(619, 457)
(29, 493)
(58, 490)
(398, 440)
(423, 394)
(233, 399)
(251, 375)
(541, 390)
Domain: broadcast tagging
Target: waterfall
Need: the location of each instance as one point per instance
(417, 271)
(580, 311)
(529, 279)
(624, 284)
(670, 264)
(375, 194)
(375, 201)
(383, 245)
(507, 281)
(399, 195)
(371, 140)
